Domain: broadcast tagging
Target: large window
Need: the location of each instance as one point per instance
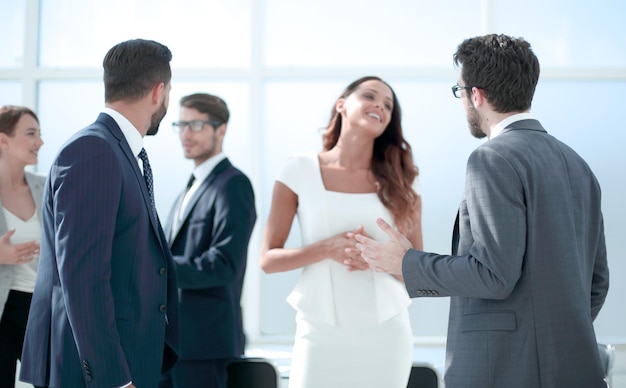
(366, 33)
(202, 34)
(280, 64)
(12, 14)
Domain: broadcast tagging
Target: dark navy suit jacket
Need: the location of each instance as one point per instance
(105, 288)
(210, 250)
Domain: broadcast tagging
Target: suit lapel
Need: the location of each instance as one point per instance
(204, 187)
(168, 227)
(455, 234)
(115, 130)
(36, 190)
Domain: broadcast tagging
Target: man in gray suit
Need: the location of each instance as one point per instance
(528, 272)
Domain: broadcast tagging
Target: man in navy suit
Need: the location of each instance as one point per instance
(209, 229)
(104, 311)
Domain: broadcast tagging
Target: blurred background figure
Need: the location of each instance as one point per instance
(353, 327)
(20, 230)
(208, 230)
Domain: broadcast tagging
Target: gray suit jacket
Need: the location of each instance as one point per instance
(35, 184)
(528, 273)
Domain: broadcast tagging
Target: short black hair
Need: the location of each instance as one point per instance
(133, 67)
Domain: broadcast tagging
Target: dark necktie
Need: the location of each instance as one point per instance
(192, 179)
(147, 174)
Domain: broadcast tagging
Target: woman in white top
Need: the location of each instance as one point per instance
(20, 230)
(353, 327)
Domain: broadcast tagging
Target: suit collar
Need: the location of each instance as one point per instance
(205, 168)
(498, 128)
(117, 132)
(195, 196)
(529, 124)
(128, 130)
(204, 185)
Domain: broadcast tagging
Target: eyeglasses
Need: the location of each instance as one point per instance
(456, 89)
(194, 125)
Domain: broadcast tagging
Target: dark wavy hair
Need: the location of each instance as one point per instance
(10, 115)
(392, 160)
(504, 67)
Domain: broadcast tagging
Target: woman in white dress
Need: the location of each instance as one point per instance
(353, 326)
(20, 230)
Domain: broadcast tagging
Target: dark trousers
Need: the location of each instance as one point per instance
(12, 329)
(197, 374)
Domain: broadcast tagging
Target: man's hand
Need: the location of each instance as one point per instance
(384, 256)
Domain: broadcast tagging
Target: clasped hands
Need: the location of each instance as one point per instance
(381, 256)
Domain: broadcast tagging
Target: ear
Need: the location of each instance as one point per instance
(340, 105)
(478, 97)
(220, 131)
(3, 140)
(157, 93)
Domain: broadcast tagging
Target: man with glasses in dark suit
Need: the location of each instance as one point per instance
(209, 228)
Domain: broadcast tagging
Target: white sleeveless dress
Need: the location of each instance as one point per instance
(353, 328)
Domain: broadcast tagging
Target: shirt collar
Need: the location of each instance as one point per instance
(496, 130)
(205, 168)
(131, 134)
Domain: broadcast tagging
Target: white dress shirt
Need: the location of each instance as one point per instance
(508, 121)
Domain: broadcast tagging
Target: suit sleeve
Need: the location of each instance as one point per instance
(496, 210)
(600, 279)
(224, 252)
(86, 192)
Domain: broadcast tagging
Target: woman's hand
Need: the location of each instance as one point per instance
(342, 249)
(354, 261)
(17, 253)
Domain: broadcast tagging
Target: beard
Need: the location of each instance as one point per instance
(473, 122)
(206, 153)
(155, 120)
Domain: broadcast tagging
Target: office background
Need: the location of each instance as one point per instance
(280, 64)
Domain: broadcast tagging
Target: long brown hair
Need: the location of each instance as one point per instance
(392, 160)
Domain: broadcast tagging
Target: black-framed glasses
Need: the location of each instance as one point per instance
(456, 90)
(193, 125)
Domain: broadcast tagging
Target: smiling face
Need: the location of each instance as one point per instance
(22, 146)
(368, 107)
